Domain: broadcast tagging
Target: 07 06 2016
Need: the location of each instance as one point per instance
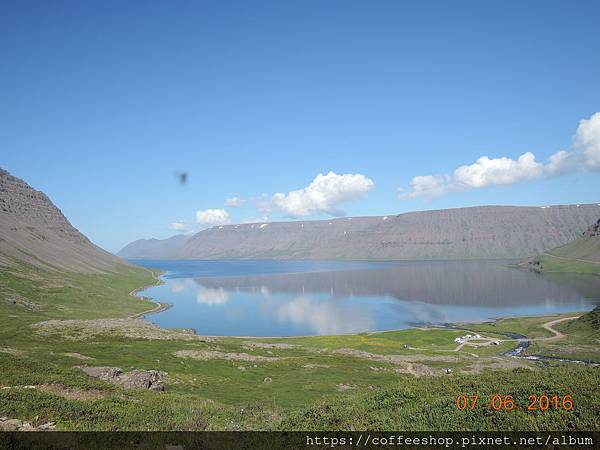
(500, 402)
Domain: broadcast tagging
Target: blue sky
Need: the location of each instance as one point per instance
(103, 102)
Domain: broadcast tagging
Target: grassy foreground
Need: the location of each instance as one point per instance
(392, 380)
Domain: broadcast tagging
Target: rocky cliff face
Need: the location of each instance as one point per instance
(34, 231)
(463, 233)
(594, 230)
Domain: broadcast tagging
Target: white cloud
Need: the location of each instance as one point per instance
(428, 186)
(178, 225)
(483, 172)
(583, 154)
(561, 163)
(587, 141)
(498, 171)
(212, 217)
(323, 195)
(234, 202)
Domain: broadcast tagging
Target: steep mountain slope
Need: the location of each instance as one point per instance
(155, 248)
(580, 255)
(586, 247)
(477, 232)
(34, 231)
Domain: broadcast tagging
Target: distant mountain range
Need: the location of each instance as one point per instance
(463, 233)
(155, 248)
(35, 232)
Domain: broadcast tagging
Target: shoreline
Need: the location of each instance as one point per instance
(159, 306)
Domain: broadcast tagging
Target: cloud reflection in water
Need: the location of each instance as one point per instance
(324, 317)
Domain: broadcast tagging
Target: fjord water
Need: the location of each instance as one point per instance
(301, 298)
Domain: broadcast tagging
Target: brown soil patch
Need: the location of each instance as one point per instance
(269, 345)
(496, 363)
(11, 351)
(418, 370)
(78, 330)
(78, 356)
(316, 366)
(71, 393)
(396, 359)
(205, 355)
(23, 302)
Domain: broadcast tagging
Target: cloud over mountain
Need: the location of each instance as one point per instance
(212, 217)
(323, 195)
(583, 154)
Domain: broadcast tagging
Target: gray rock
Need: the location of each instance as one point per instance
(134, 379)
(142, 379)
(10, 425)
(594, 230)
(26, 426)
(47, 426)
(104, 373)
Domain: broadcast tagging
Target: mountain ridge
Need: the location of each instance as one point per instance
(153, 248)
(35, 232)
(478, 232)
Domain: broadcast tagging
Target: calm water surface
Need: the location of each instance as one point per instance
(298, 298)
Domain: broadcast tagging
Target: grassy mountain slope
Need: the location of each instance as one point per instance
(586, 248)
(581, 255)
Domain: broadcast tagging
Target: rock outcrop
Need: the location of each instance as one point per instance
(134, 379)
(594, 230)
(7, 424)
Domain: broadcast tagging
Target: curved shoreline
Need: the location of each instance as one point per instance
(159, 306)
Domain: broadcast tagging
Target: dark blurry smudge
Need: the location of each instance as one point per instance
(182, 177)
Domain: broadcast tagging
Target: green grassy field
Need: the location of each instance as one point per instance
(585, 248)
(389, 380)
(552, 264)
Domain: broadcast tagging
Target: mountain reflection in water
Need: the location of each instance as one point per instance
(384, 296)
